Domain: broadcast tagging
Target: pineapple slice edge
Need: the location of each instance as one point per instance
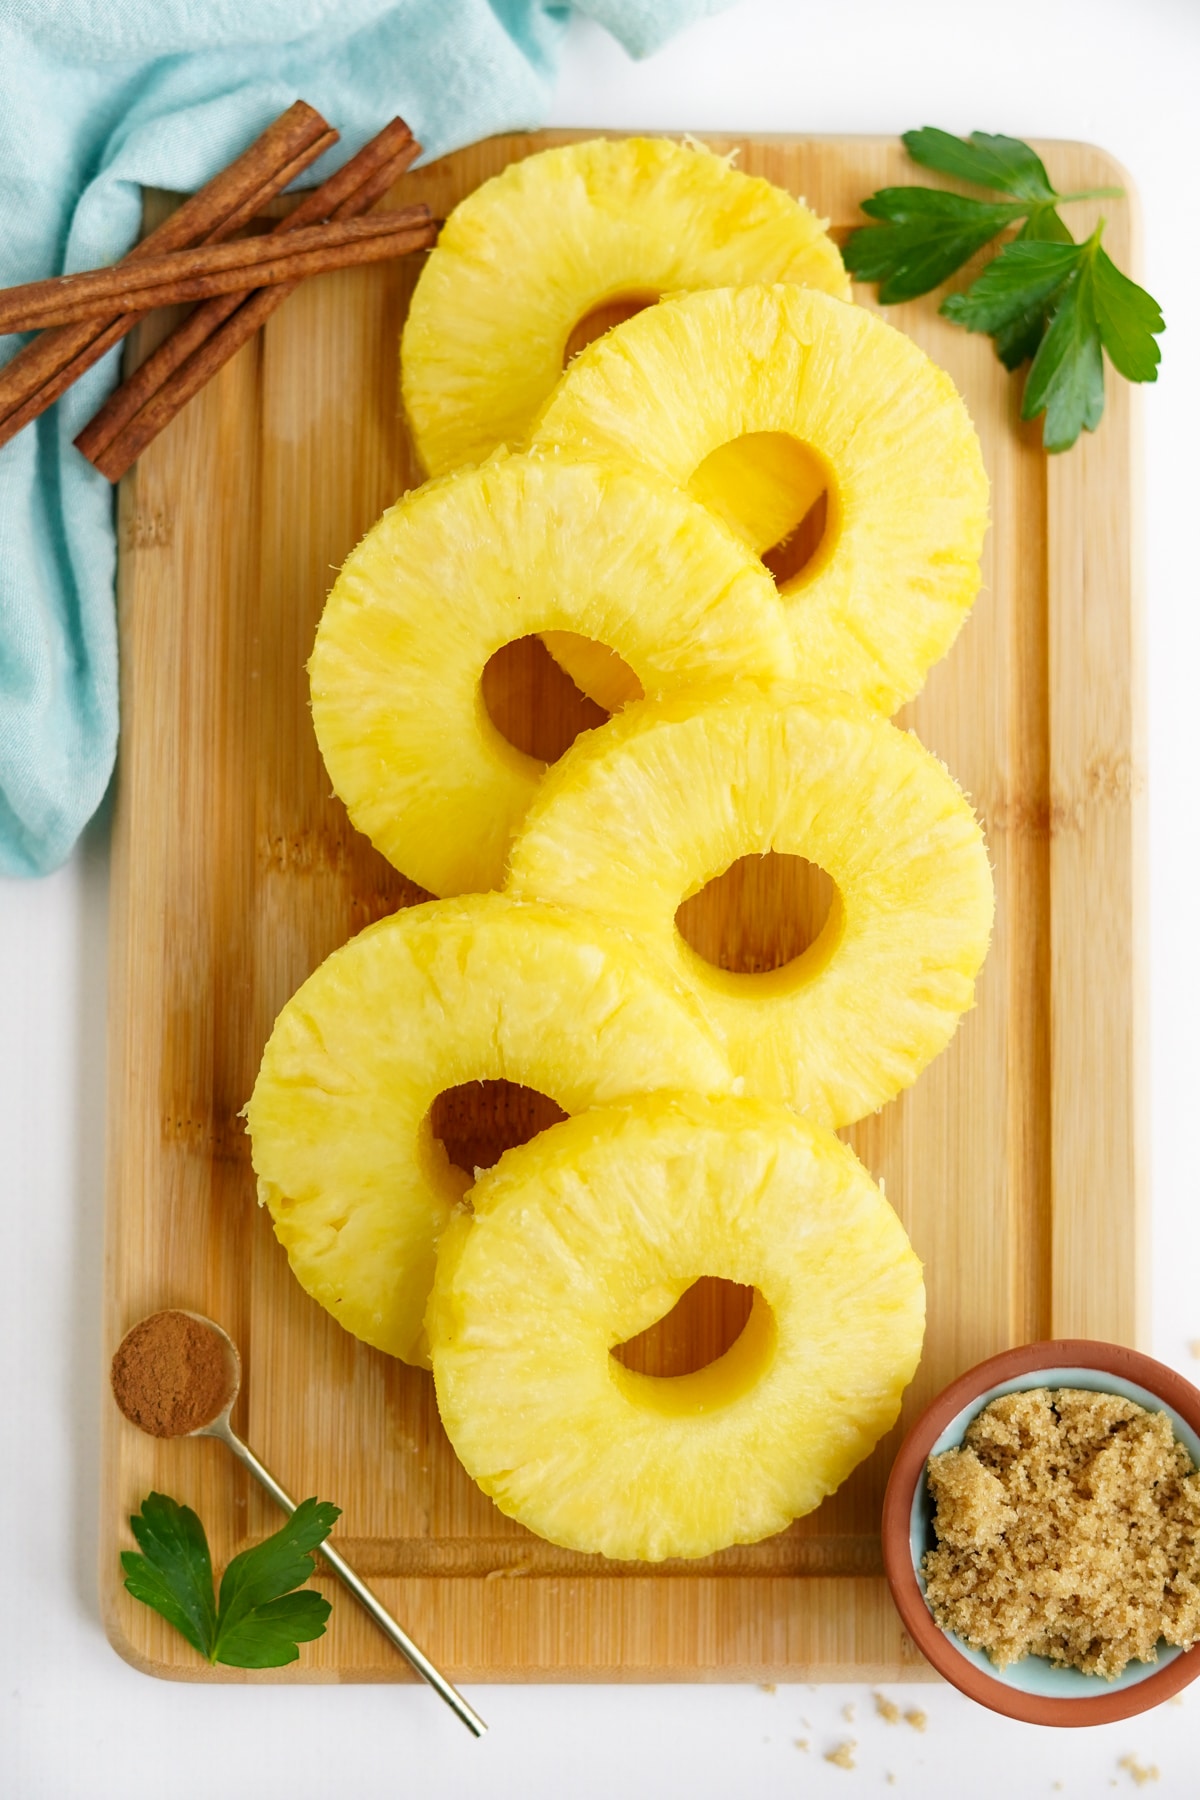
(495, 305)
(714, 775)
(466, 565)
(481, 988)
(702, 374)
(585, 1235)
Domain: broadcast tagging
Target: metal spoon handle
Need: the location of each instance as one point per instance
(358, 1588)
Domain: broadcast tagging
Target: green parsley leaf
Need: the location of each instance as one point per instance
(268, 1638)
(260, 1576)
(1127, 319)
(1014, 316)
(174, 1572)
(991, 162)
(259, 1621)
(1017, 341)
(1043, 299)
(1024, 277)
(1066, 381)
(1046, 227)
(928, 236)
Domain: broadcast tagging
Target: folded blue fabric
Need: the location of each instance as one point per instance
(100, 98)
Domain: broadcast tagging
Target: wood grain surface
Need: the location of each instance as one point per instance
(1016, 1162)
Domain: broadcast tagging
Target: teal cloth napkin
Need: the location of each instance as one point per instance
(99, 98)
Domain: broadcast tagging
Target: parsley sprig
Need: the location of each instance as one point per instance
(258, 1621)
(1043, 299)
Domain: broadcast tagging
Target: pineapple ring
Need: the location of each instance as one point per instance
(437, 995)
(637, 818)
(589, 1234)
(703, 374)
(467, 564)
(527, 256)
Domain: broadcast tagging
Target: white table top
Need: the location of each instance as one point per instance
(75, 1722)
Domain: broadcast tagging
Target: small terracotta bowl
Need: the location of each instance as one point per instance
(1032, 1689)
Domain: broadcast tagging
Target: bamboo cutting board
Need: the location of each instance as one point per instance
(1016, 1163)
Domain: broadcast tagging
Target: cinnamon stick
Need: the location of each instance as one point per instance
(355, 187)
(46, 367)
(45, 351)
(203, 364)
(208, 269)
(256, 203)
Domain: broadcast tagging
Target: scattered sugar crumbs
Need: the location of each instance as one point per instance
(843, 1756)
(1068, 1526)
(848, 1712)
(1140, 1772)
(891, 1714)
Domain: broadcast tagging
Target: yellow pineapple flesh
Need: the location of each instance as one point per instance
(465, 565)
(568, 232)
(743, 393)
(480, 989)
(638, 817)
(596, 670)
(763, 486)
(591, 1232)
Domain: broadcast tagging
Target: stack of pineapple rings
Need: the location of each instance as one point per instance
(632, 511)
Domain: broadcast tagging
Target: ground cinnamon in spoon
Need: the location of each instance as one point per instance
(171, 1374)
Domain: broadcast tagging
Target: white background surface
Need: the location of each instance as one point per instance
(75, 1722)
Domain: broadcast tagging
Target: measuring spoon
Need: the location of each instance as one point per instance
(220, 1427)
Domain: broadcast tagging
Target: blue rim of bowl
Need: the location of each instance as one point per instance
(1032, 1689)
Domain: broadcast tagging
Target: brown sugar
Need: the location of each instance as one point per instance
(171, 1374)
(1068, 1526)
(1140, 1773)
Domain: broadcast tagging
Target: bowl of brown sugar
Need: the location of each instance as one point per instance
(1041, 1533)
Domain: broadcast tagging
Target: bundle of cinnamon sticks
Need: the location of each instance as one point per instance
(194, 255)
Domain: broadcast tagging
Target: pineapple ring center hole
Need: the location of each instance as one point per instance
(479, 1120)
(778, 494)
(602, 318)
(762, 913)
(702, 1325)
(536, 706)
(715, 1345)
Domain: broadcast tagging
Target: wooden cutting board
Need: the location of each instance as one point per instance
(1016, 1163)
